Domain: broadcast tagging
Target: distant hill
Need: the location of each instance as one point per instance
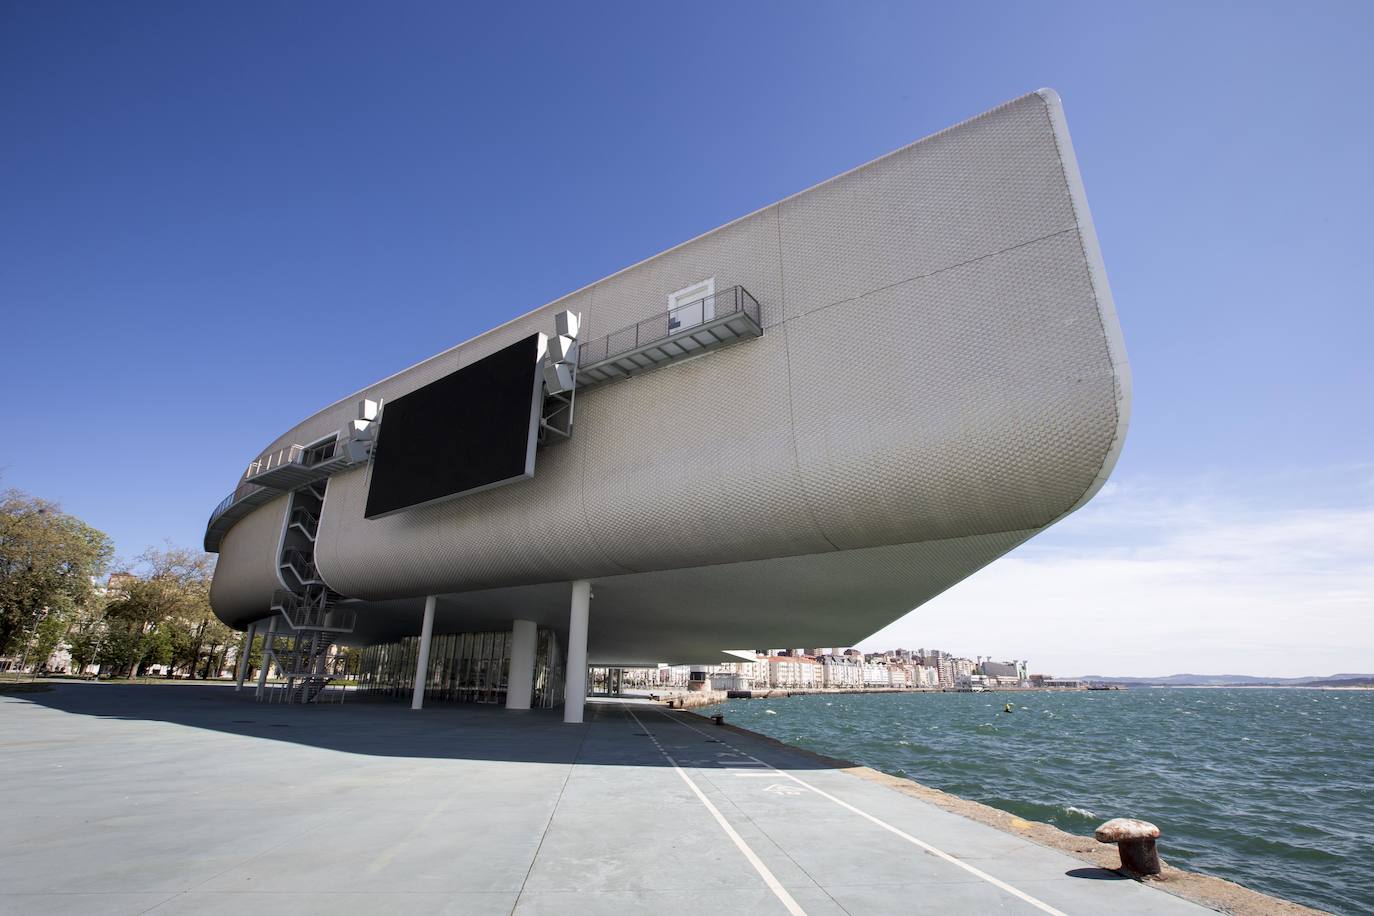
(1342, 680)
(1233, 680)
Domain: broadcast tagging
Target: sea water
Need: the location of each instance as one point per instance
(1271, 788)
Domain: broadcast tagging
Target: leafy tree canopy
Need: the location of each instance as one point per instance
(47, 561)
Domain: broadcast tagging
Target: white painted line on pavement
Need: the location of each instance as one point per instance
(768, 877)
(939, 853)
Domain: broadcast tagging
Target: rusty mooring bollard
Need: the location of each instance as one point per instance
(718, 719)
(1136, 842)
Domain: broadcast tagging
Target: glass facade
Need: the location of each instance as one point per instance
(463, 668)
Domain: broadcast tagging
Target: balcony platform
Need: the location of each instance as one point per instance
(670, 337)
(294, 473)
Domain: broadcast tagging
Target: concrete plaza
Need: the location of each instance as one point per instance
(176, 799)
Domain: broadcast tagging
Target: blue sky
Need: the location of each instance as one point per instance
(190, 188)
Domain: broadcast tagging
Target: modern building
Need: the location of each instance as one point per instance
(793, 429)
(1013, 672)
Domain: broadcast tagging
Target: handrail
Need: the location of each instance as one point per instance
(297, 454)
(304, 455)
(301, 564)
(306, 519)
(291, 454)
(302, 613)
(244, 489)
(666, 325)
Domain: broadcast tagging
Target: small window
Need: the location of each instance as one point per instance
(691, 305)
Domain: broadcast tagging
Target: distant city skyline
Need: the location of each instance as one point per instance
(191, 177)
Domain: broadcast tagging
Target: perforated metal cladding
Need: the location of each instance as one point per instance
(744, 253)
(498, 537)
(977, 399)
(619, 497)
(987, 185)
(830, 599)
(935, 384)
(693, 465)
(246, 574)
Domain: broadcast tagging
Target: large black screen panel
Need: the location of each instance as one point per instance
(473, 429)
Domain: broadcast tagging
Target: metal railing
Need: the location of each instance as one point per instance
(302, 565)
(296, 454)
(305, 456)
(304, 613)
(666, 325)
(242, 490)
(306, 520)
(291, 454)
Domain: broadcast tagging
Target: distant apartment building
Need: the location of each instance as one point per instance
(842, 671)
(797, 671)
(924, 677)
(876, 674)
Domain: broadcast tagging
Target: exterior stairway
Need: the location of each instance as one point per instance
(304, 650)
(301, 652)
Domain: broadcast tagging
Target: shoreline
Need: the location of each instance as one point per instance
(1206, 890)
(695, 699)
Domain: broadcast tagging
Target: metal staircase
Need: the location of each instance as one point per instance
(301, 565)
(304, 651)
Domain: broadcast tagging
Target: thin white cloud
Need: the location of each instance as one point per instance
(1144, 583)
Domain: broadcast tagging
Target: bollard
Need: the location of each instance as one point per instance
(718, 719)
(1135, 840)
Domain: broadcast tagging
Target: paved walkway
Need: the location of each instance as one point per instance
(121, 799)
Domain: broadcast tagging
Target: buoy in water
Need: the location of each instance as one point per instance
(1006, 708)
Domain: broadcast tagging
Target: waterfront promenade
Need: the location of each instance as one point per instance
(126, 799)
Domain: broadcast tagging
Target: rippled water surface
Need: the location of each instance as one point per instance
(1269, 788)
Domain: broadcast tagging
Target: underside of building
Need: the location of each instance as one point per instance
(791, 430)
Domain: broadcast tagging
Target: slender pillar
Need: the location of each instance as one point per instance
(575, 680)
(266, 657)
(246, 651)
(417, 700)
(523, 634)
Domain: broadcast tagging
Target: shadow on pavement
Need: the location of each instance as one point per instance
(387, 728)
(1096, 874)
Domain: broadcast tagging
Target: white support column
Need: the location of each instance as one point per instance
(575, 679)
(246, 651)
(523, 634)
(266, 657)
(417, 700)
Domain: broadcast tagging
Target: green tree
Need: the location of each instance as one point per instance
(195, 634)
(47, 561)
(164, 616)
(87, 635)
(50, 632)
